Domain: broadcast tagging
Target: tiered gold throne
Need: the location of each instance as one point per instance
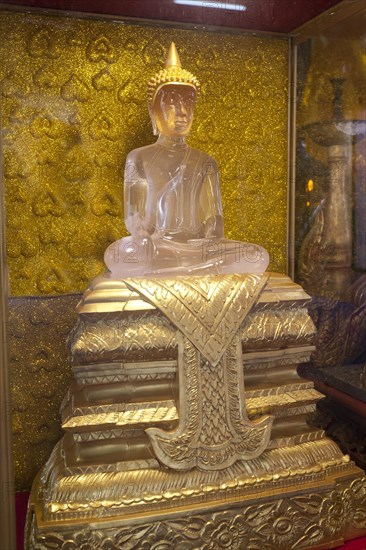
(164, 449)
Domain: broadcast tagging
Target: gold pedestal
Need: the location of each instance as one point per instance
(164, 448)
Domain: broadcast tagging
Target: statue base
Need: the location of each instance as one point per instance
(293, 509)
(104, 486)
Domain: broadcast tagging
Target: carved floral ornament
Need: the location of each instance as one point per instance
(294, 522)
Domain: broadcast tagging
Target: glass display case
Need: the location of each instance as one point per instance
(330, 216)
(283, 114)
(330, 195)
(330, 159)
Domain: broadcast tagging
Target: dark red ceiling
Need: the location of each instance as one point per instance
(258, 15)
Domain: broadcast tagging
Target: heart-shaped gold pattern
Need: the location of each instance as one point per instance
(43, 44)
(78, 166)
(53, 281)
(101, 49)
(103, 127)
(46, 77)
(74, 89)
(103, 81)
(45, 125)
(106, 204)
(48, 203)
(152, 52)
(13, 86)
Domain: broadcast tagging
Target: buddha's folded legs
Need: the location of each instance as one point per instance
(130, 257)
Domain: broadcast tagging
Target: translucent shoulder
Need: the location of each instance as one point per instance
(204, 157)
(208, 163)
(140, 153)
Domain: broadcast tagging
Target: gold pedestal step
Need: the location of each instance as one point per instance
(76, 495)
(109, 406)
(117, 325)
(318, 507)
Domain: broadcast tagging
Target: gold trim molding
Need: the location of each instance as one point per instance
(318, 518)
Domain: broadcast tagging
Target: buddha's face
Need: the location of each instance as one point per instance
(173, 110)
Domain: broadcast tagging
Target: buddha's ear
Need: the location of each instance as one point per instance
(154, 127)
(153, 121)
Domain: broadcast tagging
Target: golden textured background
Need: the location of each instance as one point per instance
(74, 105)
(40, 375)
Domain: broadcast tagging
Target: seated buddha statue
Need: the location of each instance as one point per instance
(172, 201)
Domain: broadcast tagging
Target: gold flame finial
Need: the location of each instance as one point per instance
(173, 57)
(171, 74)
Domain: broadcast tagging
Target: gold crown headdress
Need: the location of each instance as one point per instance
(172, 74)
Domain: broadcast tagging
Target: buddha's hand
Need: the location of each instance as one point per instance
(143, 246)
(130, 254)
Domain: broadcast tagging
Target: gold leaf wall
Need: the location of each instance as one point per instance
(40, 376)
(74, 105)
